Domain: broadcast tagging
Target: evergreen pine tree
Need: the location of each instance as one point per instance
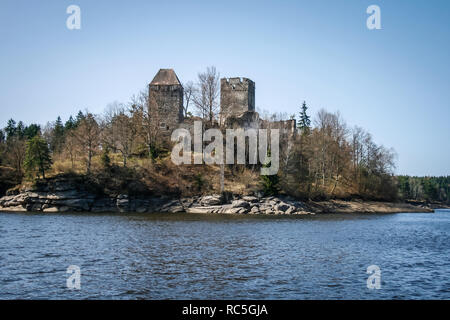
(10, 129)
(32, 130)
(305, 121)
(80, 117)
(58, 136)
(70, 124)
(20, 130)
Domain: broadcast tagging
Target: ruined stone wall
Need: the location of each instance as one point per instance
(166, 103)
(287, 127)
(247, 120)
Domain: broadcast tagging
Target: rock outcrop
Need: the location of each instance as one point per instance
(68, 195)
(82, 201)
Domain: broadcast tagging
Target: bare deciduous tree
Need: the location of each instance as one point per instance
(15, 152)
(189, 92)
(147, 121)
(205, 99)
(88, 137)
(120, 131)
(70, 147)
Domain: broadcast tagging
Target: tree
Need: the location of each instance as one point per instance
(15, 153)
(147, 122)
(57, 139)
(20, 130)
(2, 146)
(71, 146)
(79, 118)
(10, 129)
(37, 157)
(189, 92)
(87, 135)
(304, 122)
(120, 131)
(70, 124)
(31, 131)
(205, 99)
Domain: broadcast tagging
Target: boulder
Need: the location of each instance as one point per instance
(233, 210)
(240, 204)
(13, 209)
(212, 209)
(282, 207)
(187, 202)
(176, 209)
(255, 210)
(211, 200)
(291, 210)
(250, 199)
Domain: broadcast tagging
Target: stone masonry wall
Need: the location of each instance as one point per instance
(237, 95)
(166, 101)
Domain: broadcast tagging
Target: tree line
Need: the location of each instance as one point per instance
(424, 188)
(329, 159)
(325, 159)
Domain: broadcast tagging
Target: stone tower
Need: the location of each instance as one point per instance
(237, 97)
(166, 99)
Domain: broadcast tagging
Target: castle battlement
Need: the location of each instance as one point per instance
(237, 96)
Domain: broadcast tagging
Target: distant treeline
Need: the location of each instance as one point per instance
(424, 188)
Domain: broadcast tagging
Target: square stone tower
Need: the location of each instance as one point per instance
(237, 96)
(166, 100)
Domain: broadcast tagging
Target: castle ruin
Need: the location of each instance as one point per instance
(166, 100)
(237, 104)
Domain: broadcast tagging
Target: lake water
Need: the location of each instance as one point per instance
(182, 256)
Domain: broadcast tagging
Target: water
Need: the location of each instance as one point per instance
(185, 256)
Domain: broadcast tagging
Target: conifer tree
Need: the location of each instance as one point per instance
(57, 140)
(70, 124)
(10, 129)
(37, 157)
(80, 117)
(305, 121)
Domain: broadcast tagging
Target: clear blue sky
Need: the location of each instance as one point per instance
(393, 82)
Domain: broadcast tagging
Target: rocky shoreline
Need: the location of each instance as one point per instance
(62, 199)
(80, 201)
